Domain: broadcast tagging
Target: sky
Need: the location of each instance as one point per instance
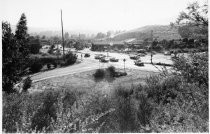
(95, 15)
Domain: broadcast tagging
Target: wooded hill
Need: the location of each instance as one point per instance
(159, 31)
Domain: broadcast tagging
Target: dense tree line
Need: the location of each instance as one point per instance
(15, 53)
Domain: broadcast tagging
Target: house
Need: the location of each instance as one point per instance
(44, 42)
(100, 46)
(118, 45)
(137, 44)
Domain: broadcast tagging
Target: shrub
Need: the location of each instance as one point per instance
(46, 112)
(99, 74)
(27, 84)
(36, 66)
(48, 66)
(112, 71)
(125, 110)
(160, 89)
(45, 59)
(62, 63)
(12, 111)
(54, 64)
(70, 58)
(194, 69)
(145, 109)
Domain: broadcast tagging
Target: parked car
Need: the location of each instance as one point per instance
(167, 53)
(134, 57)
(142, 54)
(99, 56)
(87, 55)
(141, 51)
(104, 59)
(174, 56)
(139, 63)
(119, 74)
(113, 59)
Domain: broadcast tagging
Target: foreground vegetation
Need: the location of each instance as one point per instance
(172, 101)
(168, 102)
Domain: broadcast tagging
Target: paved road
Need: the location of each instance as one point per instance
(90, 64)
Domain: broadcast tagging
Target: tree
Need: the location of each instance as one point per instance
(10, 72)
(100, 35)
(43, 37)
(50, 51)
(34, 45)
(66, 35)
(15, 50)
(185, 31)
(194, 22)
(196, 15)
(22, 40)
(108, 34)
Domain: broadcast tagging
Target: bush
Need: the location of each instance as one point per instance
(27, 84)
(48, 66)
(54, 64)
(45, 59)
(99, 74)
(126, 115)
(36, 66)
(12, 111)
(70, 58)
(46, 112)
(112, 71)
(160, 89)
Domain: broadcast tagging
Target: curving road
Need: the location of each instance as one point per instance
(91, 64)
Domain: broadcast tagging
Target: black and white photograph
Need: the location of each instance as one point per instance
(104, 66)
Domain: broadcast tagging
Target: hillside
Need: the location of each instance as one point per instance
(159, 31)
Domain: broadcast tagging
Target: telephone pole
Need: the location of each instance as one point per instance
(62, 33)
(151, 45)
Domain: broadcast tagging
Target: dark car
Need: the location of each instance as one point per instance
(167, 53)
(141, 51)
(139, 63)
(113, 59)
(134, 57)
(99, 56)
(87, 55)
(142, 54)
(104, 59)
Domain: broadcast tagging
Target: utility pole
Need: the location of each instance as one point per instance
(151, 45)
(124, 63)
(62, 34)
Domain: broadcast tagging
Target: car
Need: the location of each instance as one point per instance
(141, 51)
(104, 59)
(87, 55)
(142, 54)
(139, 63)
(134, 57)
(99, 56)
(174, 56)
(113, 59)
(167, 53)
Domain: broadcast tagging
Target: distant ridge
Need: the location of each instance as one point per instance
(159, 31)
(53, 31)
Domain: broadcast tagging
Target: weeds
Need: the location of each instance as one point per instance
(164, 104)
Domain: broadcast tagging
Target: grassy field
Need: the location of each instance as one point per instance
(85, 81)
